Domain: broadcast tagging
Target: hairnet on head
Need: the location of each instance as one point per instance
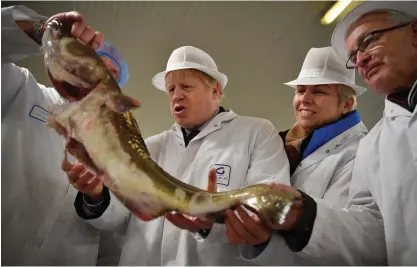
(110, 52)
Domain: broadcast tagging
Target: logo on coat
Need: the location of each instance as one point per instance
(223, 173)
(39, 113)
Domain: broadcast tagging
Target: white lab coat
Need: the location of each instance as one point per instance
(325, 174)
(250, 151)
(39, 225)
(379, 227)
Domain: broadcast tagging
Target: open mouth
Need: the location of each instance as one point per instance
(68, 91)
(179, 109)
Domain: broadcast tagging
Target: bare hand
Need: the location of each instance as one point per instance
(193, 224)
(79, 29)
(83, 180)
(249, 230)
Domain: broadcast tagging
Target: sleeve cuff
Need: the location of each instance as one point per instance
(88, 208)
(21, 12)
(91, 202)
(215, 234)
(261, 247)
(298, 237)
(204, 233)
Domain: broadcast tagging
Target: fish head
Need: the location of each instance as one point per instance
(55, 30)
(74, 68)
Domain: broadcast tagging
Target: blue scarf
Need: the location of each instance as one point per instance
(326, 133)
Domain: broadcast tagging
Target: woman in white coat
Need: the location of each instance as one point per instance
(321, 148)
(243, 150)
(39, 225)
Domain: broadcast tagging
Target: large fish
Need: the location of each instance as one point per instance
(98, 119)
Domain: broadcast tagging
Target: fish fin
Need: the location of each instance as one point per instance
(78, 150)
(52, 123)
(121, 103)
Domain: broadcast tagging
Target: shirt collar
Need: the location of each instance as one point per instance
(405, 98)
(219, 110)
(412, 97)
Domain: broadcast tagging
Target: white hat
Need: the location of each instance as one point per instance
(321, 66)
(190, 57)
(339, 34)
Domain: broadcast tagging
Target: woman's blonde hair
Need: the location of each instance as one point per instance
(346, 92)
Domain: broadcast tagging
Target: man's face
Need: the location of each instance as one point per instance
(390, 63)
(192, 100)
(114, 70)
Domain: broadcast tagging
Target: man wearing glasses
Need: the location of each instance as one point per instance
(379, 226)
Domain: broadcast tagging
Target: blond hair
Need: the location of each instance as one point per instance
(207, 80)
(346, 92)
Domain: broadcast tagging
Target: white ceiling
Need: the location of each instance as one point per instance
(259, 45)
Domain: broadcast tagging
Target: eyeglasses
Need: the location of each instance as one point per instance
(370, 41)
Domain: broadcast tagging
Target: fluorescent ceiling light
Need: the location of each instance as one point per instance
(335, 11)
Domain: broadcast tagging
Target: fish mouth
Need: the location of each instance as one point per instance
(70, 77)
(57, 29)
(68, 91)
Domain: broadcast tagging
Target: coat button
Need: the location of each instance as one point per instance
(327, 151)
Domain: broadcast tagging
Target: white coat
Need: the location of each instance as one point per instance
(246, 150)
(325, 174)
(39, 225)
(379, 226)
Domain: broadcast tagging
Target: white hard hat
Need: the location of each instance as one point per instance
(322, 66)
(190, 57)
(339, 34)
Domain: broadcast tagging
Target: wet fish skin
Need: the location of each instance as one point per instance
(99, 117)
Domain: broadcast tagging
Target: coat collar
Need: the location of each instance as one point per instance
(331, 146)
(412, 97)
(392, 110)
(405, 98)
(214, 125)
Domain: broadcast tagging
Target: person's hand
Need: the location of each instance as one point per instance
(79, 29)
(251, 230)
(193, 224)
(248, 230)
(83, 180)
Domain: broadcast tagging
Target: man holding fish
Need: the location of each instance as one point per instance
(242, 150)
(39, 226)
